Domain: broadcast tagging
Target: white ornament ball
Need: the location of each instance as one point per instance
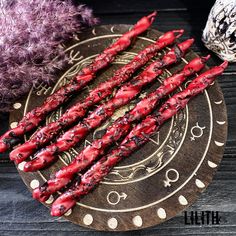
(219, 34)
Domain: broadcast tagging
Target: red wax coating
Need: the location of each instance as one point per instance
(34, 117)
(117, 130)
(45, 134)
(137, 137)
(122, 97)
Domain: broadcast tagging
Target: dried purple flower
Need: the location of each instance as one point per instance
(30, 34)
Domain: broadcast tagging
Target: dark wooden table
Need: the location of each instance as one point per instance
(21, 215)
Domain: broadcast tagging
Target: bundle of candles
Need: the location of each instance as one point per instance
(130, 131)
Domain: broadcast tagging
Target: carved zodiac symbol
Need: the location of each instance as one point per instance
(114, 197)
(199, 133)
(169, 180)
(42, 88)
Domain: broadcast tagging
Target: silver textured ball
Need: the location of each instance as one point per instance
(219, 34)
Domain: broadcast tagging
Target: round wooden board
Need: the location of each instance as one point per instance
(163, 177)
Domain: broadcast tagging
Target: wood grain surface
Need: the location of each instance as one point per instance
(21, 215)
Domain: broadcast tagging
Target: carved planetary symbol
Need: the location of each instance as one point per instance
(196, 131)
(169, 179)
(113, 197)
(74, 56)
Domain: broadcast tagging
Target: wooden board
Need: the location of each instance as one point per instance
(166, 175)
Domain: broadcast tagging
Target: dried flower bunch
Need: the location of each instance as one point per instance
(30, 35)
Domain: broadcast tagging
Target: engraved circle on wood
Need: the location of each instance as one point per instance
(164, 176)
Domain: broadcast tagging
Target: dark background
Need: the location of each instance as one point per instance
(21, 215)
